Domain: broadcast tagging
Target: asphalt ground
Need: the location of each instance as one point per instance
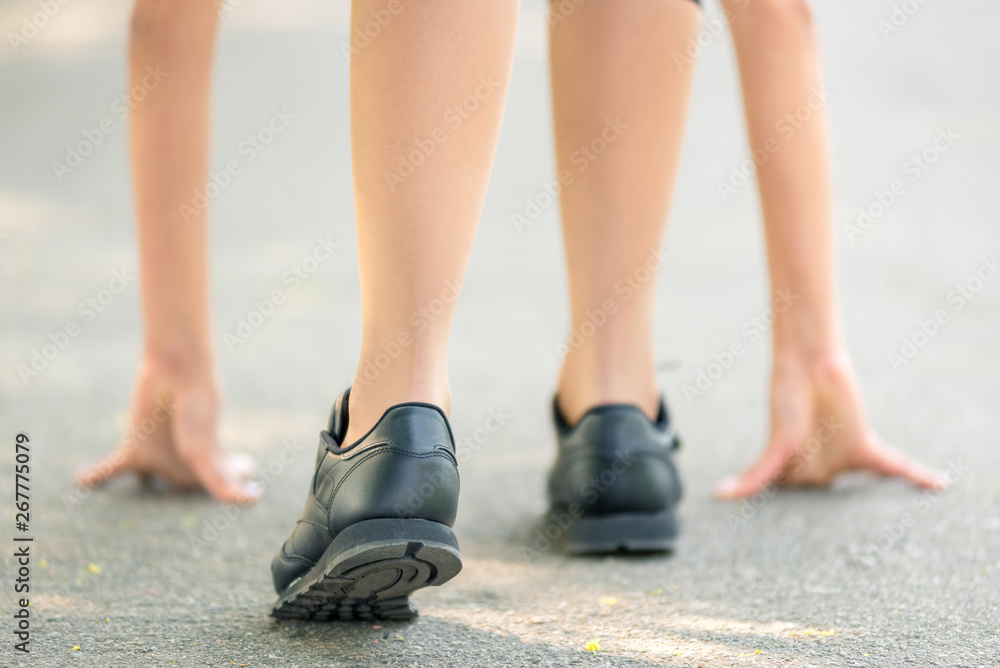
(867, 573)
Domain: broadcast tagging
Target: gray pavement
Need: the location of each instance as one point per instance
(136, 577)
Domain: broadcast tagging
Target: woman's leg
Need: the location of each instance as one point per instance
(172, 429)
(427, 97)
(619, 103)
(813, 385)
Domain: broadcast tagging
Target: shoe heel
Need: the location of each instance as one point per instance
(431, 544)
(618, 532)
(369, 570)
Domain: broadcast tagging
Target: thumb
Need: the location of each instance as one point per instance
(768, 467)
(103, 470)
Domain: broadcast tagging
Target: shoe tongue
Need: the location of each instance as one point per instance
(337, 425)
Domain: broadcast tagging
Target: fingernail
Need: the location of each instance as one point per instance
(252, 491)
(724, 488)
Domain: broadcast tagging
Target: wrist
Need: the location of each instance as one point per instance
(806, 340)
(807, 361)
(181, 365)
(804, 326)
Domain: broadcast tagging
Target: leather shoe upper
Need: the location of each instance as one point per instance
(615, 460)
(404, 467)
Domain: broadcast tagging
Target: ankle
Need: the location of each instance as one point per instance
(580, 389)
(369, 401)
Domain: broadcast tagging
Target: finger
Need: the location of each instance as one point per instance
(104, 470)
(765, 470)
(242, 465)
(221, 484)
(890, 462)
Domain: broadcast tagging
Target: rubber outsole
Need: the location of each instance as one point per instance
(618, 532)
(369, 571)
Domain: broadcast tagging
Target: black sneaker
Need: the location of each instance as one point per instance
(377, 523)
(614, 485)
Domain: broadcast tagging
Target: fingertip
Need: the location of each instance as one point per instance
(93, 475)
(250, 493)
(734, 488)
(242, 466)
(82, 477)
(934, 481)
(916, 473)
(227, 491)
(725, 489)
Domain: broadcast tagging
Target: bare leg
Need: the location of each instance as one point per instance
(172, 431)
(813, 385)
(427, 97)
(615, 87)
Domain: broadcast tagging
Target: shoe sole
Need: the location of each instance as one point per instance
(619, 532)
(370, 569)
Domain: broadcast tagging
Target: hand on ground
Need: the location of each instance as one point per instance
(818, 430)
(171, 435)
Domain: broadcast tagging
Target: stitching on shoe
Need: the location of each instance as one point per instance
(444, 453)
(298, 559)
(318, 531)
(348, 454)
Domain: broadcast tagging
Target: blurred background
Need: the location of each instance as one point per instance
(135, 577)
